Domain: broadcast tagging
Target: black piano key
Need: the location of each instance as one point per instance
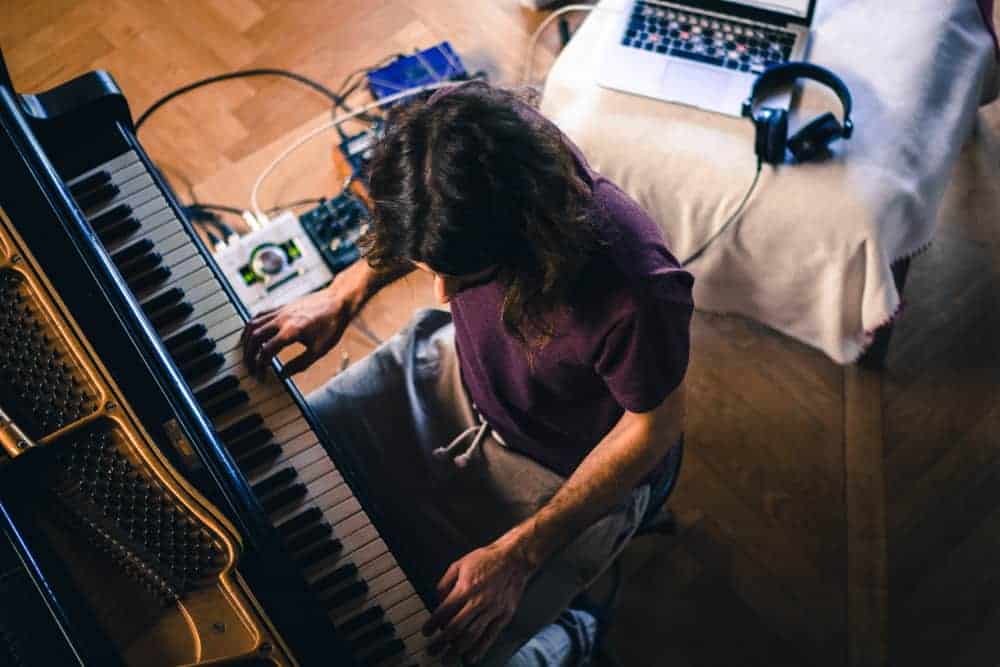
(300, 521)
(230, 402)
(327, 548)
(185, 336)
(310, 536)
(134, 251)
(152, 279)
(194, 351)
(203, 365)
(245, 425)
(395, 647)
(173, 314)
(372, 636)
(217, 388)
(284, 497)
(250, 442)
(118, 231)
(99, 195)
(339, 576)
(89, 183)
(346, 594)
(359, 621)
(115, 215)
(259, 458)
(162, 300)
(141, 265)
(274, 482)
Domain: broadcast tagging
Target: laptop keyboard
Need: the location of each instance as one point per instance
(706, 39)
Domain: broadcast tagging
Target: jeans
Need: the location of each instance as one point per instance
(409, 429)
(568, 641)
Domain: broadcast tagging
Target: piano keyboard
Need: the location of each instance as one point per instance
(340, 552)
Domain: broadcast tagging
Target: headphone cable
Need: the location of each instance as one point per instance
(739, 209)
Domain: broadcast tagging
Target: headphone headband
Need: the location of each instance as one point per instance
(787, 73)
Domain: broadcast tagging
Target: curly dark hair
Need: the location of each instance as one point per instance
(473, 179)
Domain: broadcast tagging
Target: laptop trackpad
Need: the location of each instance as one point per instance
(711, 88)
(693, 79)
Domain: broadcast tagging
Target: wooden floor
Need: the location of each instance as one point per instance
(797, 546)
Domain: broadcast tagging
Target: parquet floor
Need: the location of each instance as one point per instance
(758, 572)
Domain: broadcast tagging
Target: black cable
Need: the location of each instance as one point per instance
(337, 100)
(300, 202)
(739, 209)
(365, 70)
(202, 213)
(218, 207)
(204, 225)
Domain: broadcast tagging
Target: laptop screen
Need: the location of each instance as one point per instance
(796, 8)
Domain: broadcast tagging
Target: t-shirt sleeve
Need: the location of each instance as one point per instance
(643, 355)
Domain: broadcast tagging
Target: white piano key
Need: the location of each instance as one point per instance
(221, 329)
(300, 450)
(164, 224)
(329, 483)
(110, 166)
(230, 343)
(134, 192)
(352, 523)
(176, 257)
(179, 239)
(128, 172)
(359, 538)
(186, 283)
(206, 305)
(343, 510)
(268, 405)
(288, 431)
(156, 221)
(299, 461)
(214, 317)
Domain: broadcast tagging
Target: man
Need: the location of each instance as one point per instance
(558, 383)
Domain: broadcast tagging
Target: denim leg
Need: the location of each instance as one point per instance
(568, 642)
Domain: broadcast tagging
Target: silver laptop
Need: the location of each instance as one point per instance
(704, 53)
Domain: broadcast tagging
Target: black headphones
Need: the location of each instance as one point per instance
(771, 124)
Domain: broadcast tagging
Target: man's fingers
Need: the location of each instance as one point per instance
(257, 321)
(298, 364)
(487, 639)
(255, 340)
(443, 614)
(471, 636)
(448, 580)
(455, 628)
(270, 349)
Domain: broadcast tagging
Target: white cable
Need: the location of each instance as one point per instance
(533, 42)
(329, 126)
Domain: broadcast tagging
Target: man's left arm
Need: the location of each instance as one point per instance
(481, 591)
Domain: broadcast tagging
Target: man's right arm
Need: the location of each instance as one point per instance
(317, 320)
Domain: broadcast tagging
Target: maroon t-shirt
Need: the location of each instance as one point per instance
(621, 345)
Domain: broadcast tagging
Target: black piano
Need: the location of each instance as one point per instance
(157, 504)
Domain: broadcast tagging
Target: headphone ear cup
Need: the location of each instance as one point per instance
(814, 139)
(772, 131)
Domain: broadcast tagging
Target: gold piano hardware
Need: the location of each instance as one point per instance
(154, 560)
(12, 438)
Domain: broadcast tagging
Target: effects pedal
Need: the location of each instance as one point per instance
(334, 228)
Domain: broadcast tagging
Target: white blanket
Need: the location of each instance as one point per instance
(811, 254)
